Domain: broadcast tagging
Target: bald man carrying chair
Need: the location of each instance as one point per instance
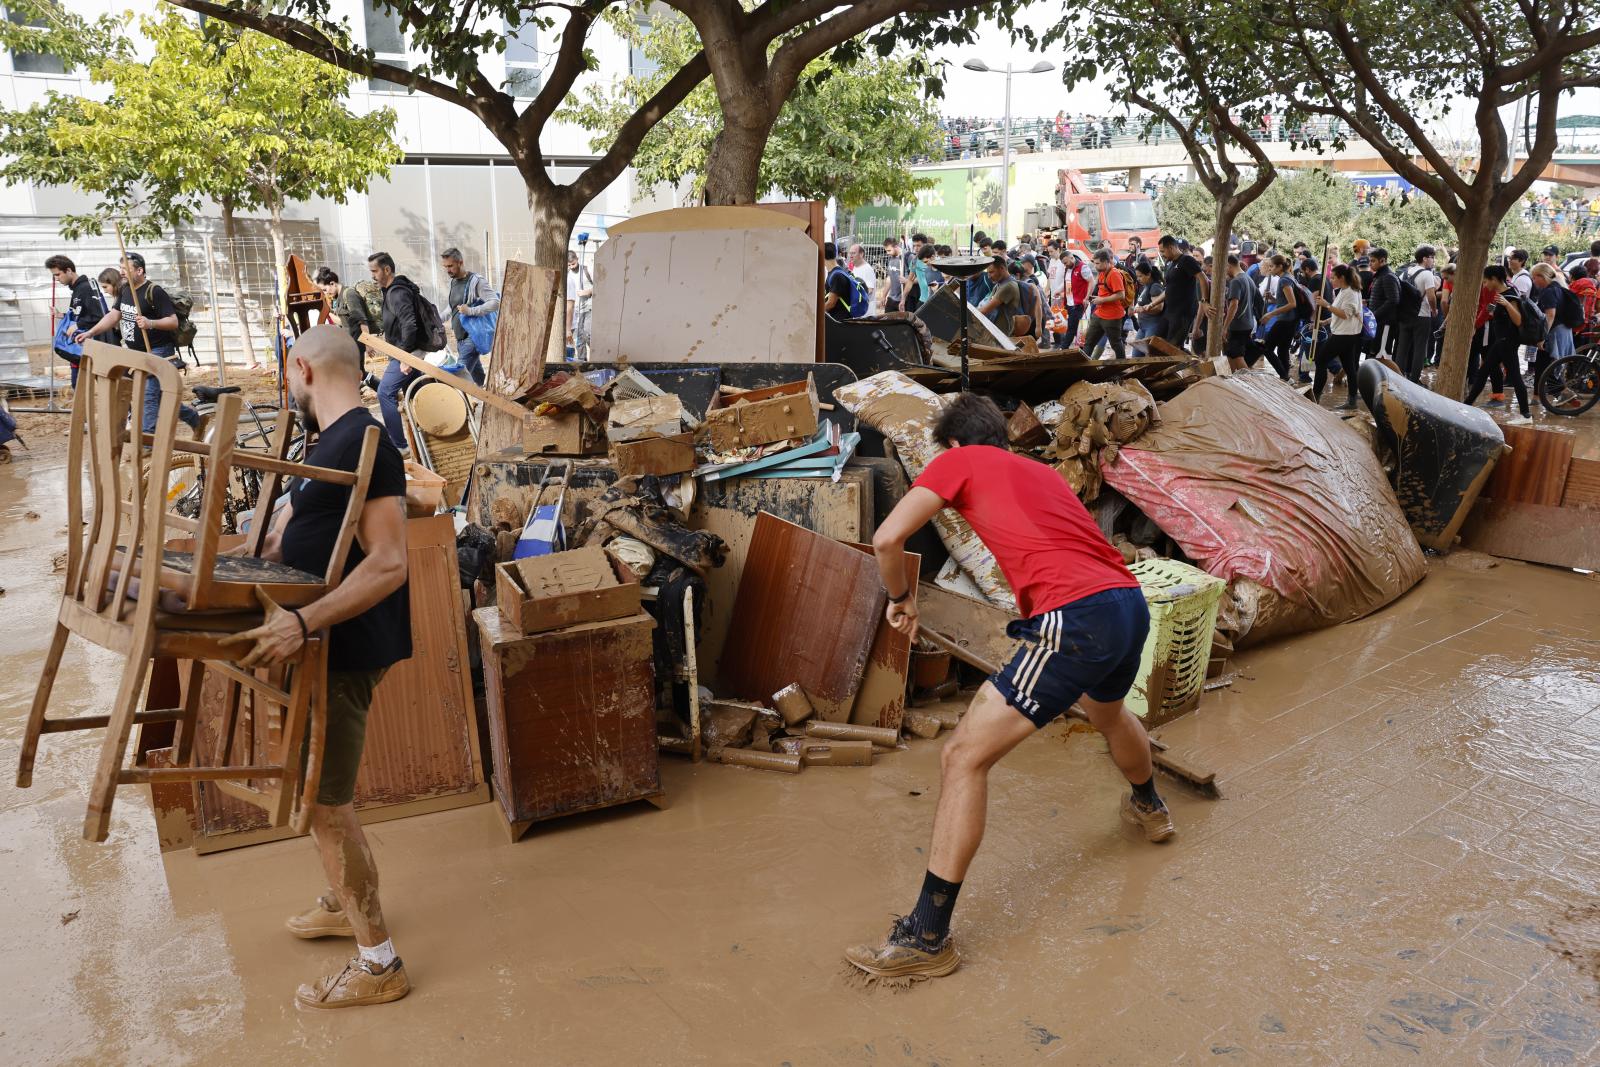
(368, 617)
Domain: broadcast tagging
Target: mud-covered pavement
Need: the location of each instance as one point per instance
(1404, 870)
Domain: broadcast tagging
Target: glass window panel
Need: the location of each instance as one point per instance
(34, 62)
(383, 29)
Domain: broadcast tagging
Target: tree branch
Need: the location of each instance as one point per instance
(603, 171)
(791, 58)
(568, 65)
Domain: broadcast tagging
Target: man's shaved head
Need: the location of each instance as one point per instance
(329, 350)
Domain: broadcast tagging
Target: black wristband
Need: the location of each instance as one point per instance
(901, 598)
(304, 634)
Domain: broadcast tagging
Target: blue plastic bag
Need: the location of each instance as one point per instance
(63, 341)
(481, 329)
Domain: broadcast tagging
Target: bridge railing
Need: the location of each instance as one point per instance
(978, 139)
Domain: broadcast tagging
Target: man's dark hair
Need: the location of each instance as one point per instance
(451, 253)
(972, 420)
(998, 261)
(136, 259)
(981, 238)
(1102, 256)
(1378, 253)
(1578, 271)
(920, 237)
(59, 262)
(830, 251)
(1233, 260)
(998, 246)
(1520, 255)
(1495, 273)
(894, 241)
(326, 275)
(1594, 248)
(1168, 241)
(382, 259)
(1423, 252)
(1309, 265)
(928, 252)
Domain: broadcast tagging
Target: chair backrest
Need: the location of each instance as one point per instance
(128, 498)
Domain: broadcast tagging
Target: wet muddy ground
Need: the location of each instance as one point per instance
(1404, 870)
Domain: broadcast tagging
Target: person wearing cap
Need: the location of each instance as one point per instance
(1551, 257)
(1414, 331)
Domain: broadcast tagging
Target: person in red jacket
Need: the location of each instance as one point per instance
(1079, 640)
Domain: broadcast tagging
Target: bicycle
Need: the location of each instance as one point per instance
(1571, 385)
(186, 471)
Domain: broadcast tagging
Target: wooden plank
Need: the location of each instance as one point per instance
(1583, 484)
(806, 612)
(416, 363)
(1535, 471)
(881, 701)
(1538, 533)
(529, 301)
(974, 625)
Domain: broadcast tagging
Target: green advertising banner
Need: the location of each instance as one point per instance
(961, 195)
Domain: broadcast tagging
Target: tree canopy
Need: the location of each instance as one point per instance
(847, 132)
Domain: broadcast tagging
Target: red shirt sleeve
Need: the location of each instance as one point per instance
(947, 476)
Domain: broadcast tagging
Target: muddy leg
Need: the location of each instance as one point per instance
(351, 872)
(1125, 734)
(989, 730)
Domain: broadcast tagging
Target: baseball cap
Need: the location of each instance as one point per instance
(1552, 250)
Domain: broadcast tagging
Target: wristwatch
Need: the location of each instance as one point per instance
(901, 598)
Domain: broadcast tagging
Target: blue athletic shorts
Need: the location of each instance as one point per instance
(1088, 646)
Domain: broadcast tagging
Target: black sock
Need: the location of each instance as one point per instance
(1145, 793)
(930, 919)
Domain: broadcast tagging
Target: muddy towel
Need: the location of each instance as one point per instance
(1098, 418)
(905, 412)
(1271, 492)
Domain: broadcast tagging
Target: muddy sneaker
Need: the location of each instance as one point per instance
(902, 956)
(1156, 822)
(323, 920)
(359, 983)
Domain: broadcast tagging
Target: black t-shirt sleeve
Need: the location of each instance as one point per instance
(388, 472)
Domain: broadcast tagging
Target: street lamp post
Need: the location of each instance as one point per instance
(979, 65)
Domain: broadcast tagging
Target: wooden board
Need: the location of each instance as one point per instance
(1535, 471)
(571, 716)
(422, 736)
(841, 510)
(707, 296)
(881, 700)
(383, 348)
(529, 299)
(1538, 533)
(1583, 484)
(726, 217)
(806, 612)
(972, 624)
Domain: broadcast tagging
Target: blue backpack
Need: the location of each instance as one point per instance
(860, 300)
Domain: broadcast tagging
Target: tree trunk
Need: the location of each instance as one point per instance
(553, 219)
(280, 252)
(733, 166)
(230, 234)
(1474, 234)
(1217, 328)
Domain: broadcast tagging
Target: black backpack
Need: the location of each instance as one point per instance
(432, 326)
(1410, 303)
(183, 304)
(1303, 304)
(1570, 311)
(1533, 328)
(1258, 300)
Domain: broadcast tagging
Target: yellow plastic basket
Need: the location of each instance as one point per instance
(1183, 618)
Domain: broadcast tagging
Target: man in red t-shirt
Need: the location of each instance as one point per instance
(1082, 630)
(1109, 307)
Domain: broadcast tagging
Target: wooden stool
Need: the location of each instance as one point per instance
(104, 602)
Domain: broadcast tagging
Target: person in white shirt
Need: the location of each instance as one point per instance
(1415, 332)
(865, 271)
(1344, 332)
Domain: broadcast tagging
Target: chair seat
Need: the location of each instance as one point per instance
(248, 569)
(234, 579)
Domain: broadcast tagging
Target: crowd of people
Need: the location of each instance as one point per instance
(1310, 321)
(972, 137)
(1580, 215)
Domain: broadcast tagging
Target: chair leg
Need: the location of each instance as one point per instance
(301, 687)
(193, 685)
(41, 701)
(317, 735)
(113, 750)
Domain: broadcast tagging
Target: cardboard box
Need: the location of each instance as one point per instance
(564, 589)
(654, 455)
(648, 416)
(570, 433)
(761, 416)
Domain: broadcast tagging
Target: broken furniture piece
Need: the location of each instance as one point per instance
(443, 438)
(119, 572)
(571, 716)
(1443, 452)
(301, 296)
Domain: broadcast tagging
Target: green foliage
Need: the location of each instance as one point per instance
(1303, 206)
(849, 132)
(212, 114)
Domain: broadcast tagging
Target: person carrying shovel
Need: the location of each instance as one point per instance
(1082, 630)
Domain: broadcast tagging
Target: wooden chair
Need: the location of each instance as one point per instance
(109, 601)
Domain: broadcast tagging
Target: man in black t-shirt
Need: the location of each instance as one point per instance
(83, 303)
(368, 619)
(1182, 277)
(147, 318)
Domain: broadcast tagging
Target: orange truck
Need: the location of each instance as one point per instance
(1091, 218)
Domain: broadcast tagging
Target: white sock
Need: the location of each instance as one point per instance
(380, 956)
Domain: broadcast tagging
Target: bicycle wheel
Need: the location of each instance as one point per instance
(1571, 385)
(185, 481)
